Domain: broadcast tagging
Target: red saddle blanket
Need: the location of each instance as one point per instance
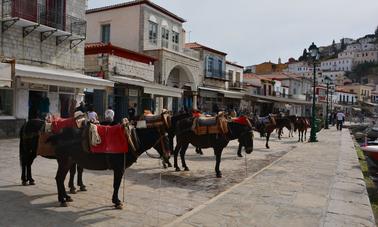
(113, 140)
(60, 123)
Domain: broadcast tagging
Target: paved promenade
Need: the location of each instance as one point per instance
(316, 184)
(291, 184)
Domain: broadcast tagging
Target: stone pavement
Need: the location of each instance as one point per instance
(300, 184)
(317, 184)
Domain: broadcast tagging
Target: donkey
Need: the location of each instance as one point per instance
(185, 135)
(69, 148)
(263, 127)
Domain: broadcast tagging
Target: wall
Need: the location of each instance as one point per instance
(147, 12)
(124, 26)
(30, 50)
(131, 68)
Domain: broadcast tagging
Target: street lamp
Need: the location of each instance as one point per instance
(328, 82)
(314, 54)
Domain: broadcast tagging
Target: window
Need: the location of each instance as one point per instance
(164, 37)
(175, 40)
(6, 101)
(152, 32)
(210, 66)
(105, 33)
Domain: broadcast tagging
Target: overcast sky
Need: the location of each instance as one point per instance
(254, 31)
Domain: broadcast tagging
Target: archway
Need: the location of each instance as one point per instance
(181, 77)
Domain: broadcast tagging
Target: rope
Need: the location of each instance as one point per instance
(124, 176)
(158, 208)
(245, 163)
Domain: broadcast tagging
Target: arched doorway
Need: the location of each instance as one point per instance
(181, 77)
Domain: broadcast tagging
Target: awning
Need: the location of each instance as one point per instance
(59, 77)
(227, 94)
(278, 99)
(149, 87)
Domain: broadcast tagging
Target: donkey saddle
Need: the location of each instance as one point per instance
(210, 125)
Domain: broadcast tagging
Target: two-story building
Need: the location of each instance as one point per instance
(214, 80)
(145, 27)
(132, 72)
(43, 42)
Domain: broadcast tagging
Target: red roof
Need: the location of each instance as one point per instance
(134, 3)
(102, 48)
(200, 46)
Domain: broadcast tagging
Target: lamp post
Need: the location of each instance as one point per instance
(328, 82)
(314, 53)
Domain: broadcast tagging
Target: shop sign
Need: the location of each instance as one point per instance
(133, 92)
(38, 86)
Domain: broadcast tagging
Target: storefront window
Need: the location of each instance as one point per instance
(6, 101)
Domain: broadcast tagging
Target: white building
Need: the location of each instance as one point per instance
(144, 27)
(337, 64)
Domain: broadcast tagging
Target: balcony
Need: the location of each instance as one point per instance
(34, 17)
(236, 85)
(216, 74)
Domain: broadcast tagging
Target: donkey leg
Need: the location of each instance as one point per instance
(63, 167)
(23, 173)
(182, 156)
(175, 154)
(29, 174)
(71, 184)
(118, 174)
(239, 150)
(267, 140)
(218, 155)
(80, 183)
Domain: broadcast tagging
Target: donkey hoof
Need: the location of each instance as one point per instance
(240, 155)
(69, 199)
(169, 164)
(219, 175)
(186, 168)
(31, 182)
(119, 206)
(24, 183)
(63, 204)
(73, 190)
(267, 147)
(178, 169)
(83, 188)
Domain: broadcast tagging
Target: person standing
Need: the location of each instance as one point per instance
(131, 111)
(109, 115)
(340, 116)
(92, 115)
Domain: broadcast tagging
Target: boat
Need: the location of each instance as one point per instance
(371, 151)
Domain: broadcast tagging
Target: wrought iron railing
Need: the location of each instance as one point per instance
(31, 10)
(216, 74)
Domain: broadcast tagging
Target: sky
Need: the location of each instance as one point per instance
(256, 31)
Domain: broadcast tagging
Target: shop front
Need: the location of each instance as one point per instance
(41, 90)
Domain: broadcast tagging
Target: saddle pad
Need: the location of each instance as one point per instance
(113, 140)
(60, 123)
(264, 120)
(207, 121)
(241, 120)
(45, 149)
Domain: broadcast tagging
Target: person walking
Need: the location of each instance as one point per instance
(340, 116)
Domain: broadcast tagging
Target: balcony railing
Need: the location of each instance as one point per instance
(236, 85)
(216, 74)
(33, 11)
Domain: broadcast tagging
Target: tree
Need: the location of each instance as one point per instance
(376, 32)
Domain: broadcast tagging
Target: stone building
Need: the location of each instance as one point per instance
(213, 80)
(132, 72)
(147, 28)
(43, 41)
